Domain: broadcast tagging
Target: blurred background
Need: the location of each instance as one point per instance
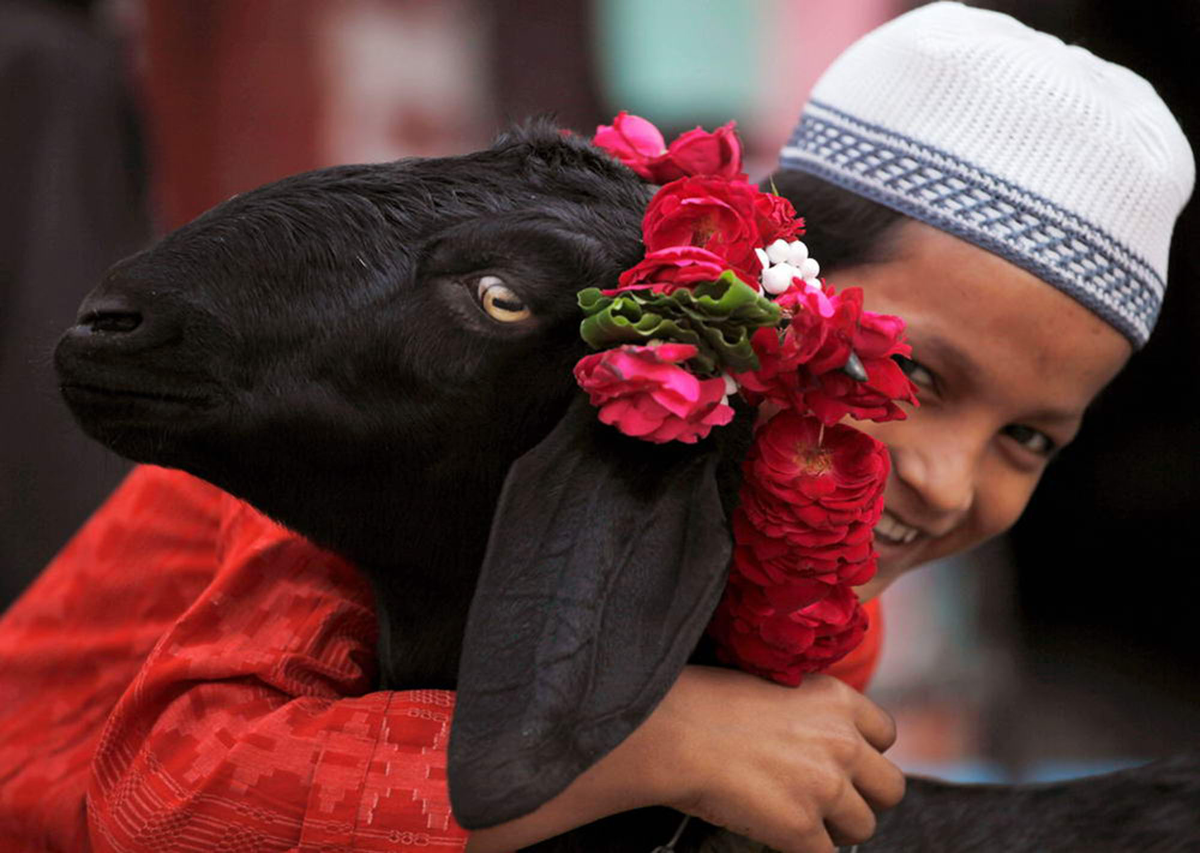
(1066, 647)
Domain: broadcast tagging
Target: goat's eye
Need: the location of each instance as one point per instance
(500, 302)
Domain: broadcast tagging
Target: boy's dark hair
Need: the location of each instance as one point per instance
(841, 229)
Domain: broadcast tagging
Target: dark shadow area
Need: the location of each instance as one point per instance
(1105, 564)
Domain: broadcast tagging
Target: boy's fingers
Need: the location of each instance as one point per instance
(852, 821)
(880, 783)
(876, 725)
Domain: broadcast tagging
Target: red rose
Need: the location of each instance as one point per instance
(643, 392)
(874, 338)
(841, 625)
(837, 330)
(804, 590)
(709, 213)
(698, 152)
(670, 269)
(803, 368)
(776, 378)
(776, 219)
(801, 297)
(880, 336)
(836, 395)
(814, 318)
(632, 140)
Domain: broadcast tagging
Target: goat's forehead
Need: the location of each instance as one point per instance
(381, 213)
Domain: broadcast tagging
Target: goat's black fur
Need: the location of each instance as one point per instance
(316, 347)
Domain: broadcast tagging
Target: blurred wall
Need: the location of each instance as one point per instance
(72, 204)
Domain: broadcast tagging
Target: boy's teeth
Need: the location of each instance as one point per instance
(894, 531)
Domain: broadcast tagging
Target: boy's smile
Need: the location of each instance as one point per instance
(1006, 366)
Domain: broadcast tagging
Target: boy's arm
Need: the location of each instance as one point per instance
(248, 722)
(72, 643)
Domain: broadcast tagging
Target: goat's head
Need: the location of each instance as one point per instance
(358, 329)
(362, 352)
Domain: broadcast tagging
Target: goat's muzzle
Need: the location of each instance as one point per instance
(126, 370)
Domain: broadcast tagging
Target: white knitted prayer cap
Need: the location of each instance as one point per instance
(1069, 166)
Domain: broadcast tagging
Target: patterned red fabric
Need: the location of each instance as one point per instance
(187, 675)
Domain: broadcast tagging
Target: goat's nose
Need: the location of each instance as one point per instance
(113, 318)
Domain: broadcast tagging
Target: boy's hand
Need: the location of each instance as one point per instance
(798, 769)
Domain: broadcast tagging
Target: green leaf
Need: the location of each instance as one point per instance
(717, 317)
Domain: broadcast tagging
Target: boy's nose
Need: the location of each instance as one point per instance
(942, 475)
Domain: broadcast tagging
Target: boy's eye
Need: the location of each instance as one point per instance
(1033, 440)
(914, 371)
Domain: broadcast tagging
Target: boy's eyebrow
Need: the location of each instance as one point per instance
(949, 354)
(963, 363)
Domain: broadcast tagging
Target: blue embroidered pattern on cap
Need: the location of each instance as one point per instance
(950, 193)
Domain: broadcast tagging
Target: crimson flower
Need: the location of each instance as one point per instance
(756, 628)
(802, 369)
(776, 219)
(717, 154)
(825, 476)
(712, 214)
(773, 560)
(670, 269)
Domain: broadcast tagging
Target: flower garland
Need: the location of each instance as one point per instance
(684, 329)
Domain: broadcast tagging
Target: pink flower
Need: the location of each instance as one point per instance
(632, 140)
(670, 269)
(643, 392)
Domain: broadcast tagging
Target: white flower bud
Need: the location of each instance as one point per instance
(797, 253)
(778, 252)
(810, 268)
(762, 258)
(779, 278)
(731, 385)
(812, 283)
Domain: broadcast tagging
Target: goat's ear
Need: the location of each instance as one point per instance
(606, 560)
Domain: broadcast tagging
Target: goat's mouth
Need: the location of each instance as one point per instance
(101, 409)
(87, 393)
(145, 424)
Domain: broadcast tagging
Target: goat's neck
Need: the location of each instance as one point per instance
(424, 588)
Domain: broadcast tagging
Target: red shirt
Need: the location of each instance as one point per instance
(188, 672)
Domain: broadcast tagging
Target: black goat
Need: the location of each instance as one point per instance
(362, 352)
